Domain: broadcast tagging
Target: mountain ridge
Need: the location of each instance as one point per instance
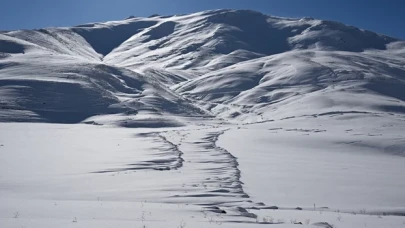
(235, 64)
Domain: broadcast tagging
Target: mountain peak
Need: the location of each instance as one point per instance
(219, 62)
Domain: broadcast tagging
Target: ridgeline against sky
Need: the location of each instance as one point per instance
(386, 17)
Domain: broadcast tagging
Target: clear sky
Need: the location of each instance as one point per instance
(382, 16)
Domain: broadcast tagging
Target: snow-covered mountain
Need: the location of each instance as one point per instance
(235, 64)
(229, 115)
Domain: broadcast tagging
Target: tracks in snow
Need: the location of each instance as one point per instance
(215, 184)
(221, 176)
(198, 171)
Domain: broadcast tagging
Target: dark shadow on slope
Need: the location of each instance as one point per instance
(7, 46)
(105, 39)
(72, 93)
(160, 31)
(393, 108)
(253, 33)
(264, 34)
(390, 88)
(58, 102)
(337, 36)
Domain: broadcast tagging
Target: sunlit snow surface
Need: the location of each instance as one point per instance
(215, 119)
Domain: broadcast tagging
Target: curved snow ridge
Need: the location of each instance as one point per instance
(174, 148)
(233, 160)
(165, 156)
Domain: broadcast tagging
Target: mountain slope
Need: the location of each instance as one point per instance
(309, 82)
(234, 64)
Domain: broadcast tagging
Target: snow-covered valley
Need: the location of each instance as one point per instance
(222, 118)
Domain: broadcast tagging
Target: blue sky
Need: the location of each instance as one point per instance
(382, 16)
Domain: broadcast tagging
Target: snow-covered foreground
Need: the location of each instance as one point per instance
(96, 176)
(343, 164)
(227, 118)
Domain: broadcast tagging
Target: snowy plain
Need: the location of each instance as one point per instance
(222, 118)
